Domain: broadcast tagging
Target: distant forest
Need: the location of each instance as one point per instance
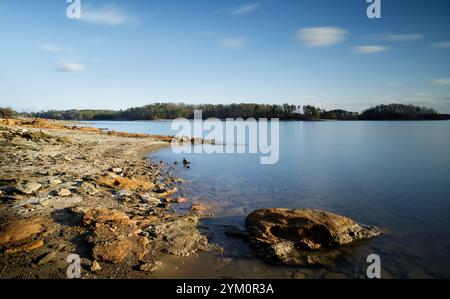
(161, 111)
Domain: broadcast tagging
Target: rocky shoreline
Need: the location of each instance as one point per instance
(68, 190)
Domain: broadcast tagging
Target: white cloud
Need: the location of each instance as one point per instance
(69, 67)
(441, 45)
(321, 36)
(404, 37)
(55, 49)
(234, 42)
(244, 9)
(108, 15)
(370, 49)
(441, 82)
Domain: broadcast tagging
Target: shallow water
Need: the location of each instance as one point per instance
(395, 175)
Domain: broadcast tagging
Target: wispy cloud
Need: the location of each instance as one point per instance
(55, 49)
(69, 67)
(369, 49)
(107, 15)
(441, 82)
(321, 36)
(404, 37)
(244, 9)
(442, 45)
(233, 42)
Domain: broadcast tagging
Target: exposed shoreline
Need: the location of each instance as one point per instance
(116, 212)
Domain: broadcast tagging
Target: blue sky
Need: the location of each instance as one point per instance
(130, 53)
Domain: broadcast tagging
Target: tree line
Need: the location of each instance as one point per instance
(161, 111)
(6, 113)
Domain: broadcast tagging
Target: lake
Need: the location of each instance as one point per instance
(395, 175)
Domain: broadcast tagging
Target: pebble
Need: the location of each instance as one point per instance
(117, 170)
(96, 267)
(64, 193)
(55, 182)
(30, 188)
(150, 267)
(47, 258)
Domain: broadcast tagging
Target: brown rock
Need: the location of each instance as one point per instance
(96, 267)
(303, 236)
(310, 229)
(104, 216)
(150, 267)
(118, 182)
(114, 236)
(25, 248)
(116, 251)
(64, 193)
(198, 208)
(20, 232)
(181, 200)
(169, 193)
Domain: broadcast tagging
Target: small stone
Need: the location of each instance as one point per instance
(89, 188)
(117, 170)
(181, 200)
(47, 258)
(150, 267)
(96, 267)
(55, 182)
(30, 188)
(64, 193)
(124, 195)
(198, 208)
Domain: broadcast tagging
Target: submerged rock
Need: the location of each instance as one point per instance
(186, 162)
(150, 267)
(303, 236)
(179, 236)
(198, 208)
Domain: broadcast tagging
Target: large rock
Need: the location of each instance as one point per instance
(20, 232)
(115, 236)
(303, 236)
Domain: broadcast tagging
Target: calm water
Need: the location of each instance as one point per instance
(395, 175)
